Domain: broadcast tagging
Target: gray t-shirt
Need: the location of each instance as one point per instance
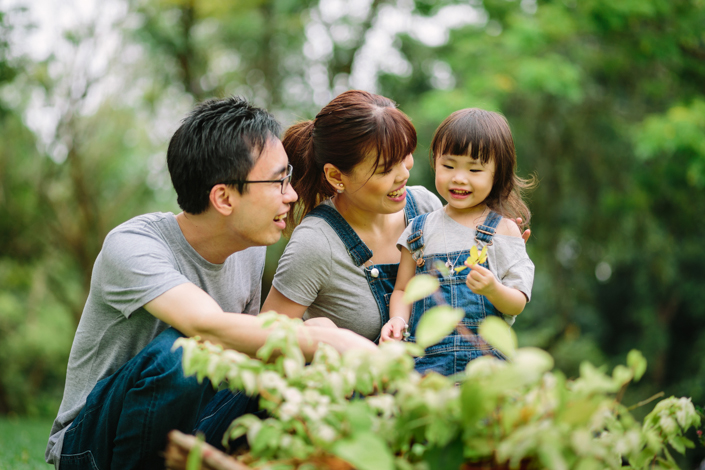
(317, 271)
(140, 260)
(506, 256)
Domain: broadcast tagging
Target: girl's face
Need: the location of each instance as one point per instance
(382, 193)
(463, 182)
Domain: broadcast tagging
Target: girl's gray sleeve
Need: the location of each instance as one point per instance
(305, 267)
(515, 268)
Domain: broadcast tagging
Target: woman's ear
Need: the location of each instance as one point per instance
(333, 176)
(222, 200)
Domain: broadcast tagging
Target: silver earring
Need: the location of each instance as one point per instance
(341, 189)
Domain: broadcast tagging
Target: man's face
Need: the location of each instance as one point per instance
(261, 212)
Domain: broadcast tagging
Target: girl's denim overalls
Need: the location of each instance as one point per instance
(383, 284)
(453, 352)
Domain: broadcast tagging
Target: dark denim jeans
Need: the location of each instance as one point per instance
(127, 416)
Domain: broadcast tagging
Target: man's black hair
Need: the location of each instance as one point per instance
(219, 140)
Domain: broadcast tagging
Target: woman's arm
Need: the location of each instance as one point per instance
(279, 303)
(397, 307)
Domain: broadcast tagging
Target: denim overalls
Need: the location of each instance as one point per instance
(452, 354)
(380, 277)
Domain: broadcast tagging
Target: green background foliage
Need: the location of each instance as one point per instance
(605, 99)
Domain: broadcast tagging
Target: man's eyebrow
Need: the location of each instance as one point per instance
(279, 171)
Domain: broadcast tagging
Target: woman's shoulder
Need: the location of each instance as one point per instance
(425, 200)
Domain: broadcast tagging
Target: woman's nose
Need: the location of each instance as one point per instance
(406, 165)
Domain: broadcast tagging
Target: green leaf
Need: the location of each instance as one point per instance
(474, 403)
(420, 287)
(193, 462)
(497, 333)
(442, 268)
(449, 456)
(365, 451)
(359, 416)
(637, 363)
(436, 324)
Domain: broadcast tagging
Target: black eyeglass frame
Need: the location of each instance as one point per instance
(281, 181)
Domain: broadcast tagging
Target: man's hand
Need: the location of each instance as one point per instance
(481, 281)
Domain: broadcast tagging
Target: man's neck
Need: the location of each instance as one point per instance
(207, 235)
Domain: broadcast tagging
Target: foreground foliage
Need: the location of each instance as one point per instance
(374, 411)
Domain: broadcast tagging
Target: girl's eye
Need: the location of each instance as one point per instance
(475, 171)
(448, 166)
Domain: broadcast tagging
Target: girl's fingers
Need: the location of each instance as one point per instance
(476, 268)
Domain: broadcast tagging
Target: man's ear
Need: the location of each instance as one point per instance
(224, 199)
(333, 176)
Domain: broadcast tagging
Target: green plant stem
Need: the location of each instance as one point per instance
(647, 401)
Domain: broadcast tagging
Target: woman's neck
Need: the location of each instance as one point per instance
(362, 220)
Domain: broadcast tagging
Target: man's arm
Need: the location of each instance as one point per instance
(195, 313)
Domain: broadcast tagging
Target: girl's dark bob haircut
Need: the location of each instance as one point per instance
(485, 135)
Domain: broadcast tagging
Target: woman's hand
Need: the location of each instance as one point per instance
(481, 281)
(527, 233)
(392, 330)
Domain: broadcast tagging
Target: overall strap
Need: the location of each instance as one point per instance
(485, 232)
(415, 240)
(410, 210)
(355, 246)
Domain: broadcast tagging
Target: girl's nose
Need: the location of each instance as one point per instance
(459, 177)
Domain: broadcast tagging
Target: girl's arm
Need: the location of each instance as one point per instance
(397, 307)
(507, 300)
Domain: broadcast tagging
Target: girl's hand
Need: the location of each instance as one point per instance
(392, 330)
(481, 280)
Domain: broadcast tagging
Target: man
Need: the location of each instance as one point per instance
(125, 388)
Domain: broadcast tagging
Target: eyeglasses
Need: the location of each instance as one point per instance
(284, 181)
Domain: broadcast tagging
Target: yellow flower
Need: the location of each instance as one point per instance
(474, 258)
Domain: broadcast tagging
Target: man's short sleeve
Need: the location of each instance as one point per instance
(133, 268)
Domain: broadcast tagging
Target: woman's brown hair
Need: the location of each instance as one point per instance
(352, 127)
(486, 135)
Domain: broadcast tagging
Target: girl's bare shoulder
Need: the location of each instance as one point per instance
(508, 227)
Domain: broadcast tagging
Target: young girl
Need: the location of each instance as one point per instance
(473, 155)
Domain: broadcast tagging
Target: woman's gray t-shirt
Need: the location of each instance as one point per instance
(317, 271)
(506, 256)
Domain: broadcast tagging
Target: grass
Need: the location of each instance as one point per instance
(22, 443)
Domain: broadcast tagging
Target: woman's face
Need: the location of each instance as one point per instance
(374, 190)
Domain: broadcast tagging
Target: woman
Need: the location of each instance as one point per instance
(352, 164)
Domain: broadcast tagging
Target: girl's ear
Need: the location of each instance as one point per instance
(333, 175)
(222, 200)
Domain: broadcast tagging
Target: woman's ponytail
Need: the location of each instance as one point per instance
(308, 180)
